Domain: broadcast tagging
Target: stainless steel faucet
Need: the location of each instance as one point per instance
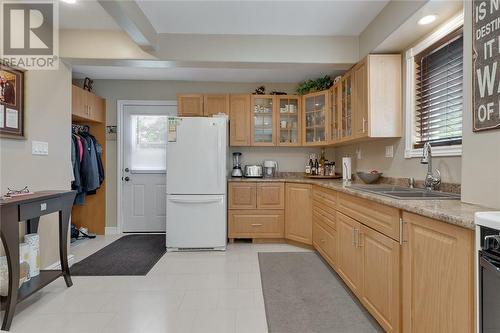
(431, 182)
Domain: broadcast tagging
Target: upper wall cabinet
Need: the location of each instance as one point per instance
(335, 112)
(190, 105)
(377, 97)
(239, 120)
(263, 120)
(289, 120)
(214, 104)
(87, 106)
(346, 110)
(315, 118)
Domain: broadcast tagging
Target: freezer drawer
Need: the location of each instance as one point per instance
(196, 221)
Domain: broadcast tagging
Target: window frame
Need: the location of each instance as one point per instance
(410, 112)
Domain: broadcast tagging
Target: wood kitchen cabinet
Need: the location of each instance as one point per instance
(346, 111)
(437, 276)
(380, 285)
(298, 213)
(271, 195)
(288, 120)
(325, 240)
(215, 104)
(315, 118)
(256, 210)
(243, 195)
(256, 223)
(349, 253)
(190, 105)
(263, 121)
(377, 109)
(87, 106)
(335, 112)
(239, 120)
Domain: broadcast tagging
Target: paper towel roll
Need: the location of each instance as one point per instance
(33, 240)
(346, 168)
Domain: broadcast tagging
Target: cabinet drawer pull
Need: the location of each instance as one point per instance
(257, 225)
(323, 241)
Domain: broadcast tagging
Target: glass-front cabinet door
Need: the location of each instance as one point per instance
(263, 120)
(288, 120)
(315, 118)
(347, 110)
(335, 112)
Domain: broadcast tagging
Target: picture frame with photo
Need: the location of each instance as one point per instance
(11, 102)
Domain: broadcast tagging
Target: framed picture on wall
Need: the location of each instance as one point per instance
(11, 102)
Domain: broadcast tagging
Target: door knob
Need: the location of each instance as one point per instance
(127, 169)
(126, 178)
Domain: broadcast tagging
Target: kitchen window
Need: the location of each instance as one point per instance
(434, 91)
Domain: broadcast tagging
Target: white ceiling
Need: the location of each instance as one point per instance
(298, 18)
(85, 14)
(277, 75)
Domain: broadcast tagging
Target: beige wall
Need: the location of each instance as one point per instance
(481, 151)
(114, 90)
(373, 157)
(48, 118)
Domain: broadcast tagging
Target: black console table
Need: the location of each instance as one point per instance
(29, 208)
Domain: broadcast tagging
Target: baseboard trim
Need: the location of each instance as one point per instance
(57, 264)
(110, 230)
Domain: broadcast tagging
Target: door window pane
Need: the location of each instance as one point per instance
(148, 143)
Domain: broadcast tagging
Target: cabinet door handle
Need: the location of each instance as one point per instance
(257, 225)
(353, 237)
(401, 231)
(323, 241)
(364, 122)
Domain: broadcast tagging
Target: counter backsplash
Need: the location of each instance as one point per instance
(445, 187)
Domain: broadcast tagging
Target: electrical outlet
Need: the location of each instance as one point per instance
(389, 151)
(39, 148)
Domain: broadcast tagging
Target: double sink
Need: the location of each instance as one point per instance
(406, 193)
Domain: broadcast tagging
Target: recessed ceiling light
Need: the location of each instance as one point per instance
(69, 1)
(427, 19)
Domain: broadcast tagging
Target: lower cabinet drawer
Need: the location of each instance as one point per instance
(326, 218)
(256, 223)
(325, 241)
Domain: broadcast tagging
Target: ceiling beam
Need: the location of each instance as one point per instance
(132, 20)
(394, 14)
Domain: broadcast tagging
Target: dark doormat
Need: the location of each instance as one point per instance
(302, 294)
(129, 255)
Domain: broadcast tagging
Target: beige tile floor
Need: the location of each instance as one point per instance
(184, 292)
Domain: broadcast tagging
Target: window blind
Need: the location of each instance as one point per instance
(439, 95)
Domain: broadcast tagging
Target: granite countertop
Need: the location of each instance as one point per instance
(450, 211)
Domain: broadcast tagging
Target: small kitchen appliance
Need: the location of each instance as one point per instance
(270, 169)
(237, 172)
(253, 171)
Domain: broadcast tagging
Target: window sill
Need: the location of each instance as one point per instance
(436, 151)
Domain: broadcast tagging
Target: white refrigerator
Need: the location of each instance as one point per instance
(196, 183)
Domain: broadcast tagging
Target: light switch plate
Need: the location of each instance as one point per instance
(389, 151)
(39, 148)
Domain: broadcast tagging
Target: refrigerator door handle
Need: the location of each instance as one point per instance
(187, 201)
(219, 153)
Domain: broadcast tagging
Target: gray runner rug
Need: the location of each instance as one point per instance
(303, 295)
(129, 255)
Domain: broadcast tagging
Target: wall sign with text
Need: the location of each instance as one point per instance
(486, 68)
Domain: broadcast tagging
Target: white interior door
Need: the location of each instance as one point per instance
(143, 175)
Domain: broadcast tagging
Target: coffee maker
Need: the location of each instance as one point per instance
(237, 172)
